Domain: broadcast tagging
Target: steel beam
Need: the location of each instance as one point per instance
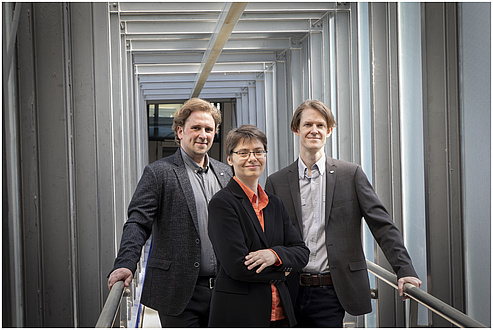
(226, 24)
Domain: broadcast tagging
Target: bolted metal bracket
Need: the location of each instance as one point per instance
(374, 293)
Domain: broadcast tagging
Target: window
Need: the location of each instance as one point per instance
(160, 121)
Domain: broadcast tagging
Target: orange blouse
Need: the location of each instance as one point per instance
(263, 200)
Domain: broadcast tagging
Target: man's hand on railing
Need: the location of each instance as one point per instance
(408, 279)
(120, 274)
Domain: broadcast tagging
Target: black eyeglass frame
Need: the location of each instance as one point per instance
(246, 154)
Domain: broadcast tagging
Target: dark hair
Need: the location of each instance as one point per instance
(194, 104)
(244, 132)
(316, 105)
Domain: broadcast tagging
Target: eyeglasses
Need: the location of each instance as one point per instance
(246, 154)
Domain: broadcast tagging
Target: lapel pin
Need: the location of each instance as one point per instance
(221, 173)
(331, 171)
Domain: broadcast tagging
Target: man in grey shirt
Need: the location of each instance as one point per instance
(170, 202)
(204, 186)
(312, 194)
(326, 199)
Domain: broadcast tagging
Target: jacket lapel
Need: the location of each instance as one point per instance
(294, 187)
(331, 176)
(184, 182)
(247, 205)
(269, 220)
(221, 176)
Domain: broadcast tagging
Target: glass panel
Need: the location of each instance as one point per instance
(161, 121)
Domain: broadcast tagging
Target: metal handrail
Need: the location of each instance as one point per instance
(456, 317)
(111, 306)
(434, 304)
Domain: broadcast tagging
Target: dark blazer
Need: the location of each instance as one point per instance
(164, 204)
(349, 197)
(241, 297)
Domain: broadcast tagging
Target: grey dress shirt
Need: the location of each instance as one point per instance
(204, 185)
(312, 193)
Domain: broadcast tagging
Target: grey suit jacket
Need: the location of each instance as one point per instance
(164, 205)
(349, 198)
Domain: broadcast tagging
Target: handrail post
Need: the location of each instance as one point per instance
(413, 313)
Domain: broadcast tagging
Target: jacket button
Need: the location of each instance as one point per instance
(197, 241)
(196, 264)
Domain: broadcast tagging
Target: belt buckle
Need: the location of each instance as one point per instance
(304, 275)
(211, 282)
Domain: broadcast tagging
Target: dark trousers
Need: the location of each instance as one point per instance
(195, 315)
(318, 307)
(284, 323)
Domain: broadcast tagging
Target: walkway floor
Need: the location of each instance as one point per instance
(150, 318)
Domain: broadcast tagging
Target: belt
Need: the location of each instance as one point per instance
(206, 281)
(315, 279)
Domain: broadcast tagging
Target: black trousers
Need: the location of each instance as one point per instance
(195, 315)
(318, 307)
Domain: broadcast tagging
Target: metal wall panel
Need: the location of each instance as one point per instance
(29, 171)
(54, 165)
(441, 157)
(85, 145)
(381, 138)
(284, 111)
(345, 142)
(365, 124)
(12, 293)
(411, 145)
(475, 88)
(295, 87)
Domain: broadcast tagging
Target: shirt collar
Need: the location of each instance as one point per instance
(302, 167)
(263, 200)
(192, 164)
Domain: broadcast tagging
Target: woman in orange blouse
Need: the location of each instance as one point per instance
(254, 240)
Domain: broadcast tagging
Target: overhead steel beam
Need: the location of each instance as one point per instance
(217, 42)
(181, 57)
(175, 91)
(193, 37)
(157, 78)
(188, 85)
(193, 67)
(212, 95)
(206, 27)
(170, 7)
(272, 42)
